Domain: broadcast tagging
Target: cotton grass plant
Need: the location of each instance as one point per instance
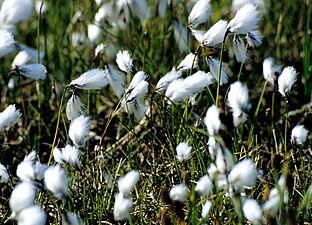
(154, 112)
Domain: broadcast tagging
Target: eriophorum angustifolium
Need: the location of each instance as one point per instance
(155, 112)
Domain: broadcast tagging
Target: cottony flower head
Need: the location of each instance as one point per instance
(55, 181)
(122, 207)
(200, 13)
(178, 193)
(74, 107)
(269, 68)
(4, 175)
(286, 80)
(183, 151)
(124, 61)
(245, 20)
(90, 80)
(7, 43)
(33, 71)
(127, 182)
(299, 135)
(9, 117)
(78, 130)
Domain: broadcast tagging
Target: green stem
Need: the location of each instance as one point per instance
(57, 125)
(286, 121)
(220, 67)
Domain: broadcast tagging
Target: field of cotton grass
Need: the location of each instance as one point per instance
(155, 112)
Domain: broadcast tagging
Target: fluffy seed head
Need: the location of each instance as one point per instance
(22, 197)
(15, 11)
(124, 61)
(238, 101)
(33, 215)
(252, 211)
(78, 130)
(269, 69)
(212, 120)
(164, 82)
(286, 80)
(200, 13)
(254, 38)
(183, 151)
(127, 182)
(90, 80)
(9, 117)
(214, 69)
(56, 181)
(187, 62)
(6, 43)
(204, 186)
(245, 20)
(299, 135)
(33, 71)
(122, 207)
(206, 209)
(4, 175)
(215, 34)
(178, 193)
(69, 154)
(116, 80)
(74, 107)
(243, 173)
(239, 49)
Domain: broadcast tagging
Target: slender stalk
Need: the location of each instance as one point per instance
(39, 82)
(57, 125)
(242, 64)
(220, 67)
(286, 121)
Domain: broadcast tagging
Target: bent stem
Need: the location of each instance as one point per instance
(220, 67)
(57, 124)
(286, 121)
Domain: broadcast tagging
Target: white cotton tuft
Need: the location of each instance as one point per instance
(124, 61)
(214, 69)
(127, 182)
(122, 207)
(94, 33)
(78, 130)
(9, 116)
(7, 43)
(22, 197)
(215, 34)
(243, 173)
(286, 80)
(69, 154)
(33, 71)
(239, 49)
(252, 211)
(254, 38)
(33, 215)
(299, 135)
(204, 186)
(245, 20)
(183, 151)
(206, 209)
(238, 101)
(269, 68)
(187, 62)
(224, 160)
(55, 181)
(212, 120)
(199, 13)
(178, 193)
(15, 11)
(74, 107)
(90, 80)
(164, 82)
(4, 175)
(116, 80)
